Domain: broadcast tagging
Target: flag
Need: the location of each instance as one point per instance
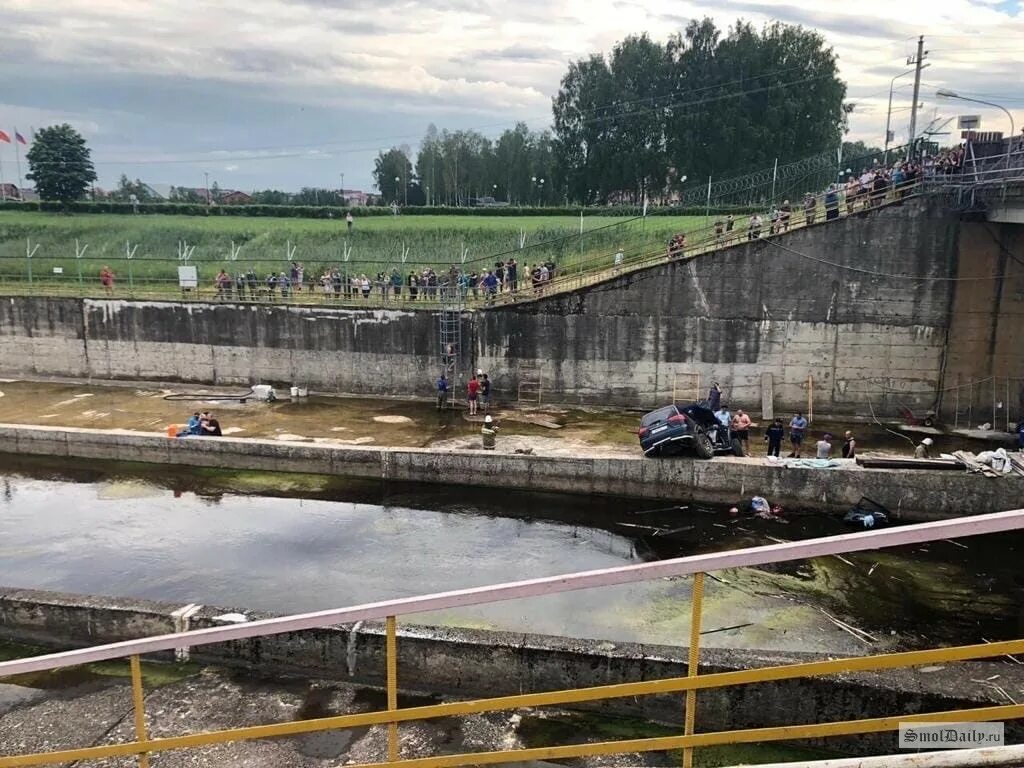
(19, 138)
(5, 137)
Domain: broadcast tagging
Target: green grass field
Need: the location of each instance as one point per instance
(377, 243)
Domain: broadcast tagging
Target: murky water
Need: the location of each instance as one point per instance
(287, 543)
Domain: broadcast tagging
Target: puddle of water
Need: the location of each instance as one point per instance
(154, 674)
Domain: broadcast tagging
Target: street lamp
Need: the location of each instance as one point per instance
(942, 93)
(398, 181)
(888, 114)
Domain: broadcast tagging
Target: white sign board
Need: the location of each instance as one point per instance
(188, 277)
(58, 270)
(969, 122)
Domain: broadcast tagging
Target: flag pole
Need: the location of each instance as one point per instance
(17, 157)
(3, 188)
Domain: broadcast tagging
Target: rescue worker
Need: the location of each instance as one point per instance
(488, 433)
(923, 450)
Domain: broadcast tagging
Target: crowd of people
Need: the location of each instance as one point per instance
(740, 424)
(426, 284)
(863, 191)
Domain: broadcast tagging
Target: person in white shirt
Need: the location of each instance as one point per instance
(824, 447)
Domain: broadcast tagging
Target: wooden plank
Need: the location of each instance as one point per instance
(767, 397)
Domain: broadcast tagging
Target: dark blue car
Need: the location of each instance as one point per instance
(674, 428)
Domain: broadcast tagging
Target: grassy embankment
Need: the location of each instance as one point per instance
(376, 244)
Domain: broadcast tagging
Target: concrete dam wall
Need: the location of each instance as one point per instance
(833, 307)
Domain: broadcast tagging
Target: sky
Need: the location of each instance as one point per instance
(291, 93)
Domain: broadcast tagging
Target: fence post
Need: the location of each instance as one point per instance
(129, 254)
(79, 253)
(392, 682)
(692, 662)
(29, 253)
(139, 704)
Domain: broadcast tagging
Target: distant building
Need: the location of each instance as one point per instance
(358, 197)
(234, 197)
(13, 192)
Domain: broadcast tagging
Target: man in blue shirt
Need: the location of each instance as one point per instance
(442, 392)
(797, 430)
(490, 283)
(192, 428)
(723, 415)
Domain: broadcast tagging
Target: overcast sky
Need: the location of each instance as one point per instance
(291, 93)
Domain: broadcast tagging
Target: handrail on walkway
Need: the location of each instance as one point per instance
(696, 566)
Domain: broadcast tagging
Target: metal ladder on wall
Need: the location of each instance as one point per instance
(685, 386)
(530, 383)
(450, 331)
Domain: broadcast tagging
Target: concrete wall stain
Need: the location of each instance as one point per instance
(753, 308)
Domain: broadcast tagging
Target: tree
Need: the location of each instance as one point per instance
(702, 105)
(60, 164)
(391, 165)
(127, 188)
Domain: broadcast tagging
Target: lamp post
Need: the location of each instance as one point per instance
(541, 199)
(942, 93)
(398, 181)
(206, 175)
(888, 114)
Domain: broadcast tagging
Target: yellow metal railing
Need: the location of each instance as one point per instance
(688, 741)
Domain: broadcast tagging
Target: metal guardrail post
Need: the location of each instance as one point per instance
(392, 674)
(140, 709)
(697, 600)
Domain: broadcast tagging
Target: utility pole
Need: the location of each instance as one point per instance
(917, 61)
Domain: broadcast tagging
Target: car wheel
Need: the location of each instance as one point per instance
(737, 447)
(702, 445)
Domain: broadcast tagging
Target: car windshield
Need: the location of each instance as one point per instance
(662, 414)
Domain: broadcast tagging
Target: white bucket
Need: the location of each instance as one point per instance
(303, 392)
(295, 392)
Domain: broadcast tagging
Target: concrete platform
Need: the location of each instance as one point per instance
(912, 496)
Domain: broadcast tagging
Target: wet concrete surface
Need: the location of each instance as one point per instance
(212, 699)
(545, 430)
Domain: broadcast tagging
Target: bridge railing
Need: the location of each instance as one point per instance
(689, 739)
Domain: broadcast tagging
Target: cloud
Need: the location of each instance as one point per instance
(157, 89)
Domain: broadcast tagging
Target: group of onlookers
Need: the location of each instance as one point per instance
(424, 285)
(859, 192)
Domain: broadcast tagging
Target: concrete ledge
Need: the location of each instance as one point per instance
(471, 663)
(913, 495)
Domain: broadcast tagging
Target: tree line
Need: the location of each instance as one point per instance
(641, 121)
(631, 125)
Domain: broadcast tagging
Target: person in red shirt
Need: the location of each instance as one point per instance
(473, 393)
